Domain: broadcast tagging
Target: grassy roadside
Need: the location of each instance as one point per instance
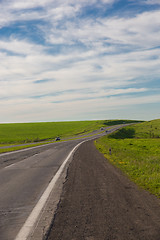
(136, 151)
(43, 133)
(35, 132)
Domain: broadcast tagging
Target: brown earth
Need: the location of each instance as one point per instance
(100, 203)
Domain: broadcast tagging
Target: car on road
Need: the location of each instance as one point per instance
(58, 139)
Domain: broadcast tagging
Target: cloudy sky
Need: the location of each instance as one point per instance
(79, 60)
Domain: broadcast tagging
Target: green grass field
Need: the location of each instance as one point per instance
(35, 132)
(136, 151)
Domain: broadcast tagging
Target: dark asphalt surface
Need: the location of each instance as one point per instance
(23, 182)
(24, 176)
(100, 203)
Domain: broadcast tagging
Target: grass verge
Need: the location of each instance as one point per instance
(136, 156)
(35, 132)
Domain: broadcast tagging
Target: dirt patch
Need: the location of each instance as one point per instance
(100, 203)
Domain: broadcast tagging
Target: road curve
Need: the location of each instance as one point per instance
(100, 203)
(24, 177)
(22, 184)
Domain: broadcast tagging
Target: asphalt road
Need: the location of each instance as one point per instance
(99, 202)
(23, 182)
(24, 176)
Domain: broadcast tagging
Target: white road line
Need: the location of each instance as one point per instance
(33, 217)
(10, 166)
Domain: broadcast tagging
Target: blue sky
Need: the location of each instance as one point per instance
(79, 60)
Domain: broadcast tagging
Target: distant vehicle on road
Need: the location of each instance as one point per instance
(58, 139)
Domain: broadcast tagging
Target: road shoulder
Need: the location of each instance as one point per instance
(99, 202)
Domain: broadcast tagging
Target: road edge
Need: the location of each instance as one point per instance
(31, 224)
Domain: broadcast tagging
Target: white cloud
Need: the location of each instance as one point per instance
(91, 109)
(67, 73)
(18, 10)
(20, 46)
(89, 62)
(152, 1)
(140, 31)
(22, 4)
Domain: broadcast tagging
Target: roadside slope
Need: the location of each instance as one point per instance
(100, 203)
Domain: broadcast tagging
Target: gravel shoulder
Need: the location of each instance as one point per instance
(100, 203)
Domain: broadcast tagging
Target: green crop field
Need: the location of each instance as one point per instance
(136, 151)
(35, 132)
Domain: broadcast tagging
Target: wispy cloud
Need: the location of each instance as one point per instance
(58, 55)
(152, 2)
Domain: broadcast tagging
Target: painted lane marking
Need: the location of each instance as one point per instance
(33, 217)
(10, 166)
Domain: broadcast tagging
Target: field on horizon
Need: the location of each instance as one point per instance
(35, 132)
(136, 151)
